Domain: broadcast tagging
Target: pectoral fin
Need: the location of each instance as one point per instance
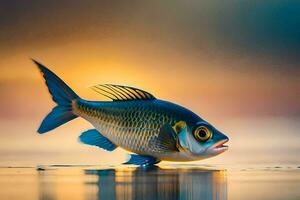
(166, 139)
(141, 160)
(95, 138)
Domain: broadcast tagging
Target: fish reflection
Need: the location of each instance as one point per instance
(157, 183)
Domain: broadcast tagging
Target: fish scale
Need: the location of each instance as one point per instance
(131, 125)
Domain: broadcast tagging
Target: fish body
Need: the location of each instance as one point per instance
(135, 120)
(135, 125)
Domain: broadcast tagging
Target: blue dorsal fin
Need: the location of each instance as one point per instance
(95, 138)
(141, 160)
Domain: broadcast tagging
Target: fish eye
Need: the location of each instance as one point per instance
(202, 134)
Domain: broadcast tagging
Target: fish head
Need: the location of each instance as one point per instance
(201, 140)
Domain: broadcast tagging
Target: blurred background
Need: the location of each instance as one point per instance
(234, 63)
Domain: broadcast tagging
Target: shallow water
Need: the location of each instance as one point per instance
(162, 182)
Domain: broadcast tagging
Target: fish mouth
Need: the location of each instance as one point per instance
(219, 146)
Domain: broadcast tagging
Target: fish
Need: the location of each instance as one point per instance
(153, 130)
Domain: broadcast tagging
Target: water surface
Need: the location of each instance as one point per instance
(160, 182)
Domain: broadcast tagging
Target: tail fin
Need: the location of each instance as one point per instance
(62, 95)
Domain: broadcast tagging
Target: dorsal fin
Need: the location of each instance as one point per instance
(122, 93)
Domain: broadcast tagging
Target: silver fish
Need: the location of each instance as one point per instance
(134, 120)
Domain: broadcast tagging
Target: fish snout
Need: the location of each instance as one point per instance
(218, 147)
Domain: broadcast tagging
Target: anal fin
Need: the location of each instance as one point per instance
(95, 138)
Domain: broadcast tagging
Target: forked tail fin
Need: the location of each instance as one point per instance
(62, 95)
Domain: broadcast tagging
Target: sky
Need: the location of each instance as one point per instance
(225, 60)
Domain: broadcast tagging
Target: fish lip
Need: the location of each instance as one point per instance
(219, 146)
